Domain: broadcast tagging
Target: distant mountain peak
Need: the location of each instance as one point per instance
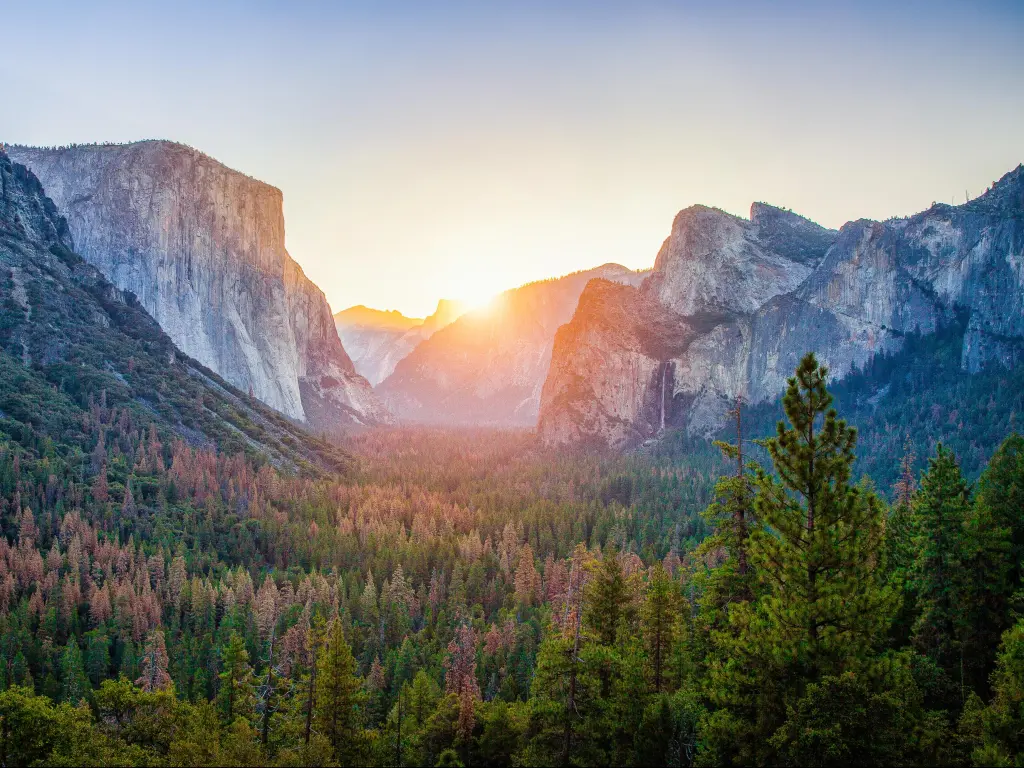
(489, 367)
(379, 318)
(447, 312)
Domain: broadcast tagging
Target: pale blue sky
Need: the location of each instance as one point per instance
(428, 150)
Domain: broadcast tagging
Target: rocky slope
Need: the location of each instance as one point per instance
(488, 367)
(763, 292)
(378, 340)
(202, 247)
(79, 355)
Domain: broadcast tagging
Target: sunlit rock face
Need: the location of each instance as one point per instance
(202, 247)
(715, 261)
(489, 366)
(750, 298)
(377, 341)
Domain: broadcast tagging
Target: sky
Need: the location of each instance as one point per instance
(430, 150)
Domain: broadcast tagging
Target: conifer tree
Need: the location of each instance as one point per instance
(154, 661)
(74, 686)
(997, 525)
(734, 496)
(97, 656)
(271, 691)
(339, 697)
(947, 544)
(825, 607)
(308, 682)
(1003, 720)
(236, 680)
(1001, 491)
(658, 617)
(819, 549)
(564, 703)
(606, 597)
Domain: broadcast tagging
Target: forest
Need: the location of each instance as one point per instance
(470, 598)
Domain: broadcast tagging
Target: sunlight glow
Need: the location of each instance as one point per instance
(476, 291)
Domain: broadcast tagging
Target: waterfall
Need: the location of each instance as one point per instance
(664, 376)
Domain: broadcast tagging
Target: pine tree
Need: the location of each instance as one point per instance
(271, 691)
(606, 597)
(236, 680)
(564, 703)
(97, 656)
(947, 544)
(818, 551)
(375, 693)
(735, 500)
(154, 661)
(74, 685)
(658, 617)
(900, 548)
(339, 697)
(460, 677)
(1003, 720)
(1001, 491)
(526, 578)
(825, 607)
(732, 515)
(314, 642)
(997, 526)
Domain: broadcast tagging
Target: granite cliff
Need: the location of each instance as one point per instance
(733, 304)
(80, 357)
(488, 367)
(202, 247)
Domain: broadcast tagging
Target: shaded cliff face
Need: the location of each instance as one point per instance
(377, 341)
(202, 247)
(621, 329)
(73, 347)
(779, 286)
(489, 366)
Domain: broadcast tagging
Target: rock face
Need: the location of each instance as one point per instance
(716, 261)
(71, 343)
(378, 340)
(202, 247)
(489, 366)
(750, 298)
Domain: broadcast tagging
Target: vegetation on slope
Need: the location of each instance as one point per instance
(904, 404)
(468, 598)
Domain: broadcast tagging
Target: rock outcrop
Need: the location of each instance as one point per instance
(202, 247)
(752, 297)
(77, 354)
(377, 341)
(489, 366)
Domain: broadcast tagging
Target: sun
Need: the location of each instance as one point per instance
(480, 302)
(475, 292)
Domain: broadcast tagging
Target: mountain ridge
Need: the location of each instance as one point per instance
(379, 340)
(489, 366)
(781, 292)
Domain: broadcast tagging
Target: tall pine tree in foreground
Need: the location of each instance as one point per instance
(825, 607)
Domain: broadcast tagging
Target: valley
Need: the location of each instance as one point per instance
(519, 535)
